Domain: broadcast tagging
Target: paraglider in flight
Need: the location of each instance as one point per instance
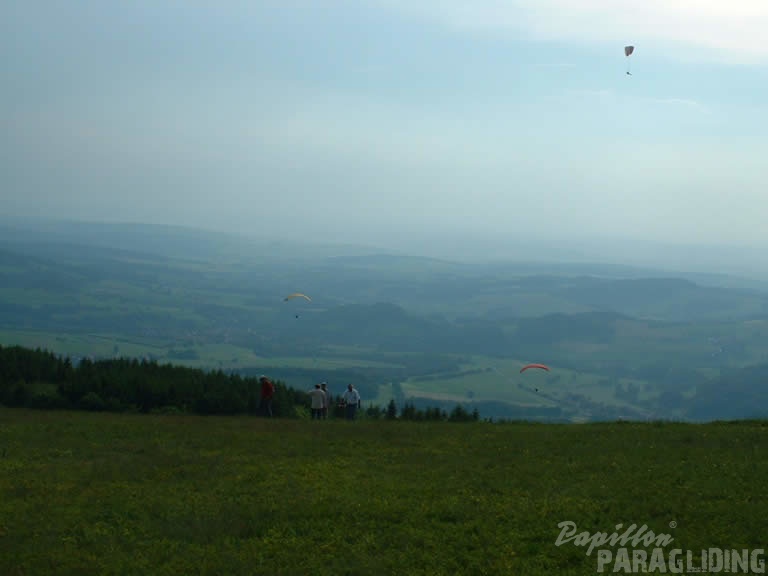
(542, 366)
(297, 295)
(628, 52)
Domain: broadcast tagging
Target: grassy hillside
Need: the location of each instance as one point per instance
(130, 494)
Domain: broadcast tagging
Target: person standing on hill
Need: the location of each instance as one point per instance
(318, 402)
(267, 394)
(352, 401)
(324, 388)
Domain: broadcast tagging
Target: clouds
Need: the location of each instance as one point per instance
(605, 96)
(362, 117)
(732, 31)
(683, 103)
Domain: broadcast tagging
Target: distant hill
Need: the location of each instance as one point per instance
(673, 299)
(737, 393)
(618, 336)
(387, 326)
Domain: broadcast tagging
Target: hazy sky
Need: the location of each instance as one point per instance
(359, 119)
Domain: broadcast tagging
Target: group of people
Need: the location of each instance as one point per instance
(321, 400)
(320, 397)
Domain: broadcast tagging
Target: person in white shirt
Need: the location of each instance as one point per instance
(318, 402)
(352, 401)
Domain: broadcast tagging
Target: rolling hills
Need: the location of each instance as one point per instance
(623, 341)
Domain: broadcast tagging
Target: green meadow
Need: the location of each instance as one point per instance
(107, 494)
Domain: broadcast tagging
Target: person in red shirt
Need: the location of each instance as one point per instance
(267, 393)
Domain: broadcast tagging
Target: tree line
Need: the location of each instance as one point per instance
(35, 378)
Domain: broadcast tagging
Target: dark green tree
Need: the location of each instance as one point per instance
(391, 410)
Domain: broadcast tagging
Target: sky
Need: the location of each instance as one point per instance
(425, 124)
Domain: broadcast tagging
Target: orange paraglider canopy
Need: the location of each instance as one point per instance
(542, 366)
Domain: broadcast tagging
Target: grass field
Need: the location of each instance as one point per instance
(496, 379)
(86, 493)
(96, 345)
(207, 356)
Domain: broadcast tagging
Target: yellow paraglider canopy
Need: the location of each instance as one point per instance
(297, 295)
